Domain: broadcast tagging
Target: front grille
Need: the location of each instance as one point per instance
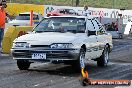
(49, 54)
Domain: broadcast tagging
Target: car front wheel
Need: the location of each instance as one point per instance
(23, 64)
(80, 62)
(104, 58)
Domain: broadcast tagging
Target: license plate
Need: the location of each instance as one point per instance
(39, 56)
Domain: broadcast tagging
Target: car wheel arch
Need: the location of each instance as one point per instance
(107, 44)
(83, 47)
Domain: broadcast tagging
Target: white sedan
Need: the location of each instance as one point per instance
(64, 39)
(23, 19)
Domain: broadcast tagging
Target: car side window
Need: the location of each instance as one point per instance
(35, 17)
(62, 11)
(100, 29)
(71, 11)
(96, 26)
(90, 28)
(89, 25)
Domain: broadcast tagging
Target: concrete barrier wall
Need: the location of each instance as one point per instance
(11, 34)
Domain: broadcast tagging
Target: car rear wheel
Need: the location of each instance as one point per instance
(80, 62)
(104, 58)
(23, 64)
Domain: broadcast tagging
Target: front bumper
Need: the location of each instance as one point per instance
(51, 54)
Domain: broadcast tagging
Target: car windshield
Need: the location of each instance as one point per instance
(26, 17)
(61, 24)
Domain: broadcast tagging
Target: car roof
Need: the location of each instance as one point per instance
(89, 17)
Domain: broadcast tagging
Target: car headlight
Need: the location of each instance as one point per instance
(21, 45)
(63, 45)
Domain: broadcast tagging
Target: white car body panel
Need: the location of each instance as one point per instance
(20, 22)
(41, 38)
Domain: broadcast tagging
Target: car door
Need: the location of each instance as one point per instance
(91, 41)
(101, 36)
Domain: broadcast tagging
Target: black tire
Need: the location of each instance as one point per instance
(104, 58)
(78, 64)
(120, 36)
(23, 64)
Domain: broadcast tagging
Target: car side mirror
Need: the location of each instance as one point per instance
(89, 33)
